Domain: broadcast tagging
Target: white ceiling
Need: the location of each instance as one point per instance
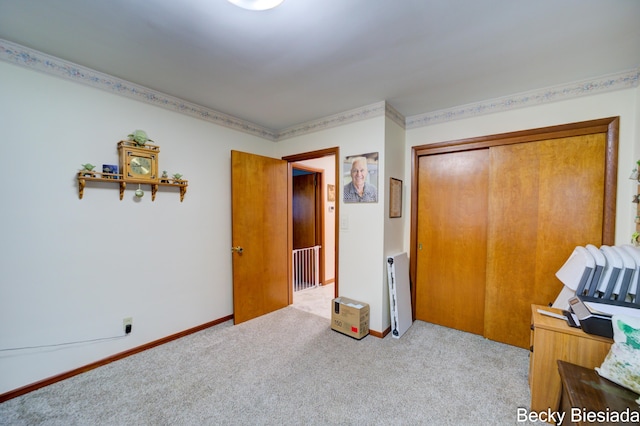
(309, 59)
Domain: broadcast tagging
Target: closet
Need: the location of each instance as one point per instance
(495, 217)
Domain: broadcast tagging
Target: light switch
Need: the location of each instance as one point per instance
(344, 221)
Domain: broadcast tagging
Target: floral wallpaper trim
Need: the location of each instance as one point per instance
(29, 58)
(394, 115)
(23, 56)
(351, 116)
(618, 81)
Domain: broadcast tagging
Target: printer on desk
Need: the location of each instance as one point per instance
(593, 315)
(600, 283)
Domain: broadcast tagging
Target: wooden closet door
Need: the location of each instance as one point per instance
(545, 198)
(452, 246)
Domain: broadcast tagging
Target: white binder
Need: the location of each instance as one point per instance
(632, 295)
(575, 274)
(601, 262)
(399, 294)
(611, 272)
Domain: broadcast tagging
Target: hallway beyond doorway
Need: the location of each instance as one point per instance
(315, 300)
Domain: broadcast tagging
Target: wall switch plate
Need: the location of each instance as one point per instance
(344, 221)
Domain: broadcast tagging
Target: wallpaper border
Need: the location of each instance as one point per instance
(618, 81)
(33, 59)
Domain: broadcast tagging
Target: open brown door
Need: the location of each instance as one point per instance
(259, 197)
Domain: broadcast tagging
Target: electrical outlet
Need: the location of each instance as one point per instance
(127, 324)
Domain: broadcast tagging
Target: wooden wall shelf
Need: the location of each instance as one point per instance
(85, 176)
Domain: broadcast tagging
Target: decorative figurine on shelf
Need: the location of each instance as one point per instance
(165, 177)
(177, 176)
(635, 175)
(89, 168)
(139, 137)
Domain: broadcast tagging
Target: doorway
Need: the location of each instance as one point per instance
(308, 226)
(314, 177)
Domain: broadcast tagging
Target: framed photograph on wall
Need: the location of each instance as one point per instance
(360, 174)
(395, 198)
(331, 192)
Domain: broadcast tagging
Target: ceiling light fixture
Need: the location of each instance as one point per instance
(257, 4)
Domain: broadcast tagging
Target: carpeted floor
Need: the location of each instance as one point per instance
(290, 368)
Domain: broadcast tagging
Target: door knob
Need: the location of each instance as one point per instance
(238, 249)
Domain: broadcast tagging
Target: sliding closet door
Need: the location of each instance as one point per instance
(545, 198)
(495, 217)
(452, 246)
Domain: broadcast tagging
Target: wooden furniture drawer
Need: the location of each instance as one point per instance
(553, 339)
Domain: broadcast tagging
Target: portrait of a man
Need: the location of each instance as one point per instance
(361, 178)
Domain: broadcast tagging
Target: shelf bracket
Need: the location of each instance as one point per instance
(81, 184)
(123, 186)
(183, 190)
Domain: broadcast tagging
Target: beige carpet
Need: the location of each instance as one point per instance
(290, 368)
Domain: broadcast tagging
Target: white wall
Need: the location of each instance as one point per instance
(72, 269)
(393, 227)
(623, 103)
(361, 260)
(395, 148)
(367, 234)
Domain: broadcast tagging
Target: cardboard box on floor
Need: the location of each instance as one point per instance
(350, 317)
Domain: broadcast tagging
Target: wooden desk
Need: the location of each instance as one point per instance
(551, 340)
(588, 394)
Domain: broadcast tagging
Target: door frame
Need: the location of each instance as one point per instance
(609, 125)
(335, 151)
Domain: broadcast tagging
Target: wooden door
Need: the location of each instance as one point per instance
(259, 192)
(304, 211)
(452, 245)
(549, 190)
(545, 199)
